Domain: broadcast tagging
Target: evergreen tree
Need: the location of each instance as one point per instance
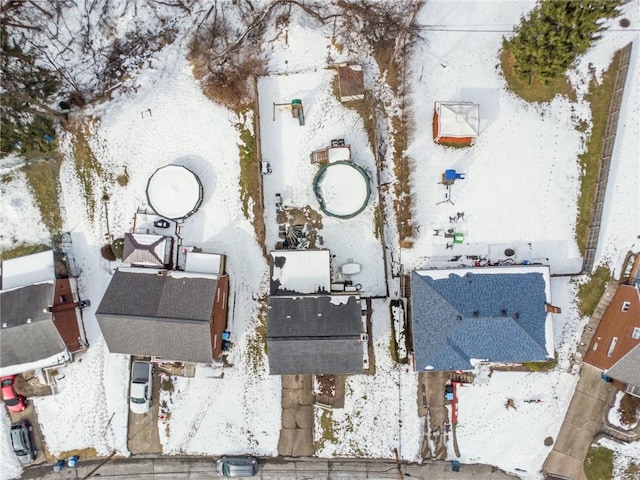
(548, 42)
(26, 92)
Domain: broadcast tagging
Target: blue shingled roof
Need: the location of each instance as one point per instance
(498, 317)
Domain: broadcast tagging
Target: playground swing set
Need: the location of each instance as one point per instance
(297, 110)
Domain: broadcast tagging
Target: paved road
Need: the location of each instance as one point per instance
(270, 469)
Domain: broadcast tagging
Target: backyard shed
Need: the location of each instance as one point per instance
(350, 82)
(456, 122)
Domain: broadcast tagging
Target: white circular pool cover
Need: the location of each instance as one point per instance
(174, 192)
(342, 189)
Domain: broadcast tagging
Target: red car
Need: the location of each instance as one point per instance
(14, 401)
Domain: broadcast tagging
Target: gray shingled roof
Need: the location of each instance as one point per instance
(495, 317)
(23, 341)
(627, 369)
(312, 335)
(163, 316)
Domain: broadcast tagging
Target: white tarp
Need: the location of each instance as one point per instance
(459, 120)
(338, 153)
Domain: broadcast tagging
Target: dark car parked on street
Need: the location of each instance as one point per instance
(237, 466)
(22, 441)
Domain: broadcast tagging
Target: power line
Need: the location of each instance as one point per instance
(475, 29)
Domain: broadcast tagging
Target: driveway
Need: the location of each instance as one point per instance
(29, 414)
(431, 403)
(584, 417)
(582, 421)
(142, 436)
(296, 435)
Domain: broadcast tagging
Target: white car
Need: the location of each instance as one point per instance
(141, 387)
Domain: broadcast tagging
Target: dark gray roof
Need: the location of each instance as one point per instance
(627, 369)
(497, 317)
(157, 315)
(314, 335)
(187, 299)
(183, 342)
(23, 341)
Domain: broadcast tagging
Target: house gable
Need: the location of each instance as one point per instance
(627, 369)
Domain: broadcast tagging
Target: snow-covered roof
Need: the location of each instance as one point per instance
(59, 358)
(338, 153)
(458, 120)
(342, 189)
(497, 314)
(174, 192)
(300, 271)
(28, 270)
(199, 262)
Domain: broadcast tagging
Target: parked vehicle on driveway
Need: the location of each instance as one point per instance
(22, 442)
(141, 387)
(14, 401)
(237, 466)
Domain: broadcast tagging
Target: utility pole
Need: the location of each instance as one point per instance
(99, 465)
(400, 476)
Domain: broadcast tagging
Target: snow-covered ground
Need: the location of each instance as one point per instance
(287, 147)
(380, 411)
(521, 190)
(19, 212)
(487, 431)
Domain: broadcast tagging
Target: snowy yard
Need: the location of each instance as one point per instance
(520, 192)
(287, 146)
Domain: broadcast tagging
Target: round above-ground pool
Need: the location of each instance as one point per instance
(174, 192)
(342, 189)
